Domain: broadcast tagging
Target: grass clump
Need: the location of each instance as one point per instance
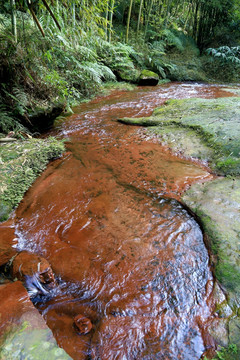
(20, 164)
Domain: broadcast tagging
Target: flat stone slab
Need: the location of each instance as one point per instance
(213, 122)
(217, 203)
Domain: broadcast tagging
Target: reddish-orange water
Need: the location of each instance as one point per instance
(127, 255)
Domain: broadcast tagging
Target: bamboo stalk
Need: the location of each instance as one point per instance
(51, 13)
(14, 19)
(35, 18)
(139, 16)
(111, 20)
(128, 19)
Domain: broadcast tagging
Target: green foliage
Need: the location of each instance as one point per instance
(118, 57)
(223, 63)
(226, 54)
(21, 163)
(229, 353)
(230, 166)
(74, 62)
(172, 39)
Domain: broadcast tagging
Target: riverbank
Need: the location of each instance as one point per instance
(21, 162)
(208, 130)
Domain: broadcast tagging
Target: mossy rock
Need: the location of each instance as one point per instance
(214, 122)
(217, 203)
(42, 118)
(148, 78)
(128, 75)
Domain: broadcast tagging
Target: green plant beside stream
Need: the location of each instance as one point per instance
(20, 164)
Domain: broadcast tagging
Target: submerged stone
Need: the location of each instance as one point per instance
(35, 272)
(28, 264)
(83, 324)
(23, 332)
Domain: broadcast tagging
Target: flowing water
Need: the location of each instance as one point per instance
(128, 256)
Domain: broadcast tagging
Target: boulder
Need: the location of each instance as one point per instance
(34, 271)
(148, 78)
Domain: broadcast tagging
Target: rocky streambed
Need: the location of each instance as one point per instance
(209, 130)
(104, 245)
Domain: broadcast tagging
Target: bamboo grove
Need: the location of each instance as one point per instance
(200, 19)
(62, 51)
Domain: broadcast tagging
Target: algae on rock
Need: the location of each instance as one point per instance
(217, 203)
(215, 123)
(31, 344)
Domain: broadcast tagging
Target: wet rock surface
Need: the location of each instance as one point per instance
(217, 203)
(140, 272)
(8, 240)
(23, 332)
(212, 122)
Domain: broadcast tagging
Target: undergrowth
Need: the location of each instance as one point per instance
(20, 164)
(229, 353)
(69, 65)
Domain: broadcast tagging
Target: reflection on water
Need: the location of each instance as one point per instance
(128, 256)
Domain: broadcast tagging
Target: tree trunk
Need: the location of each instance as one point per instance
(111, 20)
(14, 19)
(139, 16)
(148, 18)
(128, 19)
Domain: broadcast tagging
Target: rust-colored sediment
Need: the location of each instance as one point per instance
(129, 258)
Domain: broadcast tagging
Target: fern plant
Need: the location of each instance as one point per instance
(226, 54)
(9, 123)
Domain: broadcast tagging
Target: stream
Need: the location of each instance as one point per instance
(127, 255)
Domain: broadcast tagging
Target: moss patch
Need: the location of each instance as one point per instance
(215, 123)
(217, 203)
(20, 164)
(31, 344)
(182, 141)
